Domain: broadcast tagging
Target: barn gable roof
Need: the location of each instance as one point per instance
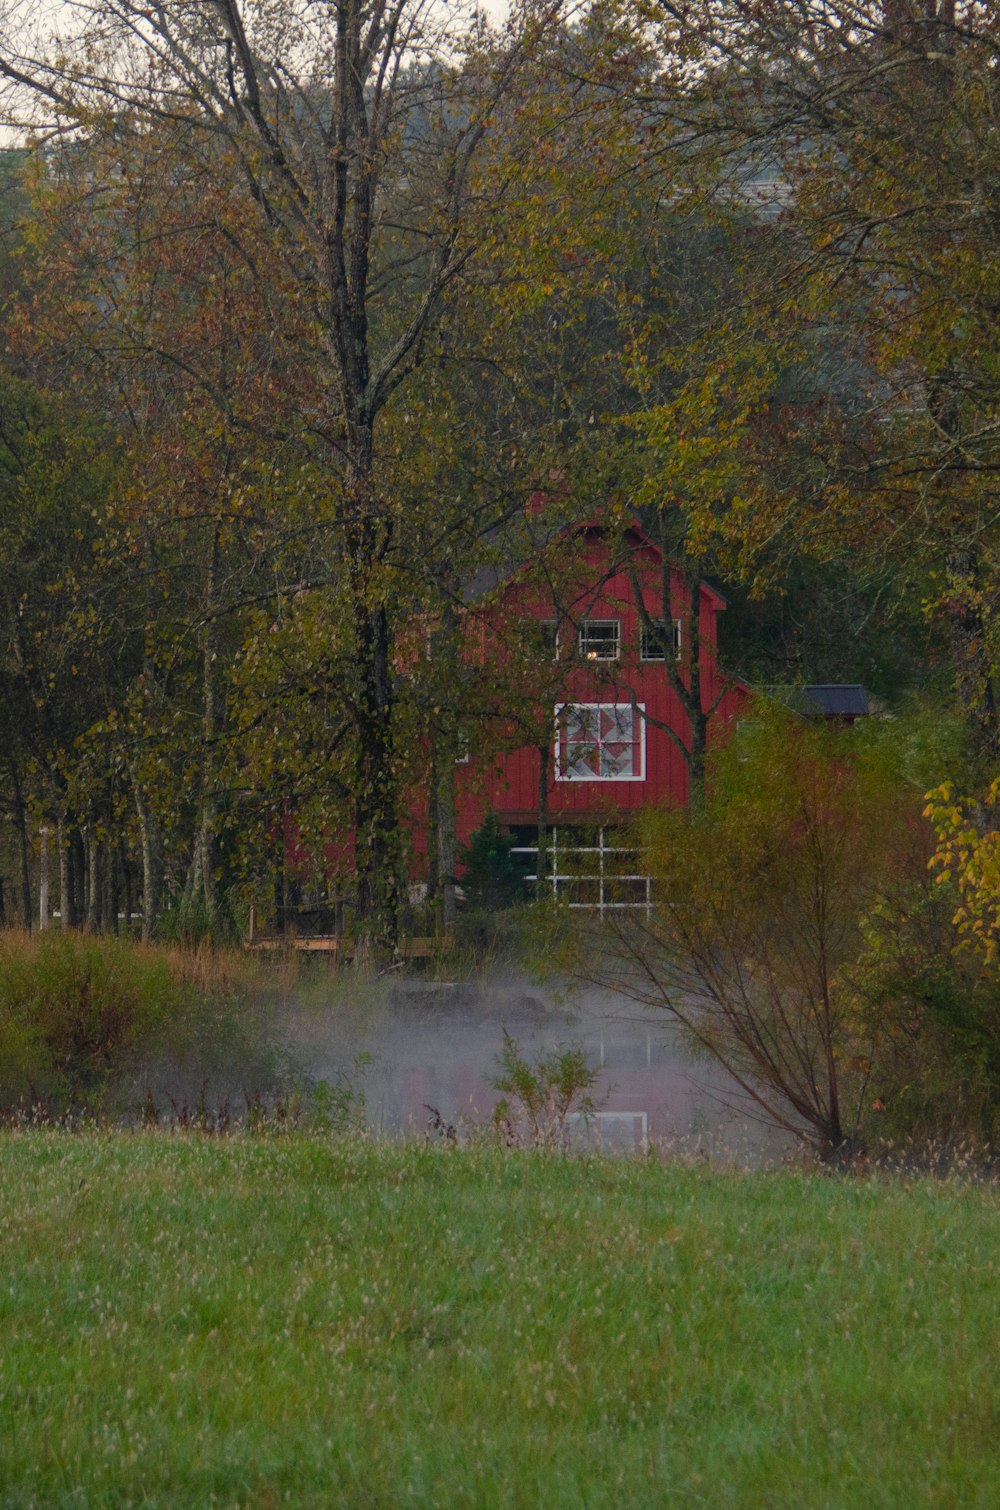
(492, 576)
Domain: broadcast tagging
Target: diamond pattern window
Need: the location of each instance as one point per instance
(599, 742)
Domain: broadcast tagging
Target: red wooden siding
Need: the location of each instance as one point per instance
(509, 784)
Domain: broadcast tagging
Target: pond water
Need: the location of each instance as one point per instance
(435, 1045)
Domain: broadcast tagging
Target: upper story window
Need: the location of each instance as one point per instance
(600, 639)
(547, 639)
(600, 742)
(654, 640)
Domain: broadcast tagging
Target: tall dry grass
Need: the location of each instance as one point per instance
(85, 1019)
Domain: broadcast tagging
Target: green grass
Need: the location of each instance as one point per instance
(270, 1321)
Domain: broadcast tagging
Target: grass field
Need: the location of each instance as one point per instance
(262, 1322)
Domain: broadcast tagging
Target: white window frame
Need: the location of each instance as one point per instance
(593, 655)
(638, 741)
(644, 648)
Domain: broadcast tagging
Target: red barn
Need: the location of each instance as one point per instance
(576, 702)
(608, 715)
(564, 676)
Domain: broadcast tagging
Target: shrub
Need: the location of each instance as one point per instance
(756, 939)
(84, 1017)
(935, 1005)
(541, 1094)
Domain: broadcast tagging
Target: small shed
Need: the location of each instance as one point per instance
(841, 702)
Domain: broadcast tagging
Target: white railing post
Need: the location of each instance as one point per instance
(579, 874)
(600, 869)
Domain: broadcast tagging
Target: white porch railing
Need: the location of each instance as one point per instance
(567, 868)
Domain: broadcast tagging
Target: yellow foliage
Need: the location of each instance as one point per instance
(968, 857)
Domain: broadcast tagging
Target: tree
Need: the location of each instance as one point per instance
(57, 676)
(875, 250)
(339, 145)
(757, 933)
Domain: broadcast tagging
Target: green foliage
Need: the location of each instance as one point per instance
(933, 1008)
(207, 646)
(761, 895)
(337, 1107)
(968, 858)
(491, 878)
(888, 426)
(802, 941)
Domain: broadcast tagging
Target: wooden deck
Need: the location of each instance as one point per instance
(413, 948)
(342, 948)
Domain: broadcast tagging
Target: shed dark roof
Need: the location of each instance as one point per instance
(838, 699)
(825, 699)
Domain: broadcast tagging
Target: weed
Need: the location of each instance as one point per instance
(538, 1097)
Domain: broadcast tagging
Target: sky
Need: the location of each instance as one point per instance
(51, 16)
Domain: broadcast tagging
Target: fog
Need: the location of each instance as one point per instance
(435, 1045)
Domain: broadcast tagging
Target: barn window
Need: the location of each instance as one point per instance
(654, 639)
(600, 742)
(547, 632)
(600, 639)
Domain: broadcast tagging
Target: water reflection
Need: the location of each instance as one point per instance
(434, 1044)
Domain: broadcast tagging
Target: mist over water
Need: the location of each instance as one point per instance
(436, 1044)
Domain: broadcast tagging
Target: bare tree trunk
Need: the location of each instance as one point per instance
(447, 844)
(78, 875)
(447, 748)
(195, 871)
(43, 878)
(284, 884)
(695, 702)
(70, 873)
(94, 868)
(542, 868)
(152, 865)
(24, 846)
(433, 826)
(209, 814)
(111, 895)
(376, 843)
(126, 871)
(200, 884)
(697, 754)
(65, 877)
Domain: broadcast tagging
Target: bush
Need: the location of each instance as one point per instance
(84, 1019)
(935, 1006)
(758, 936)
(539, 1096)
